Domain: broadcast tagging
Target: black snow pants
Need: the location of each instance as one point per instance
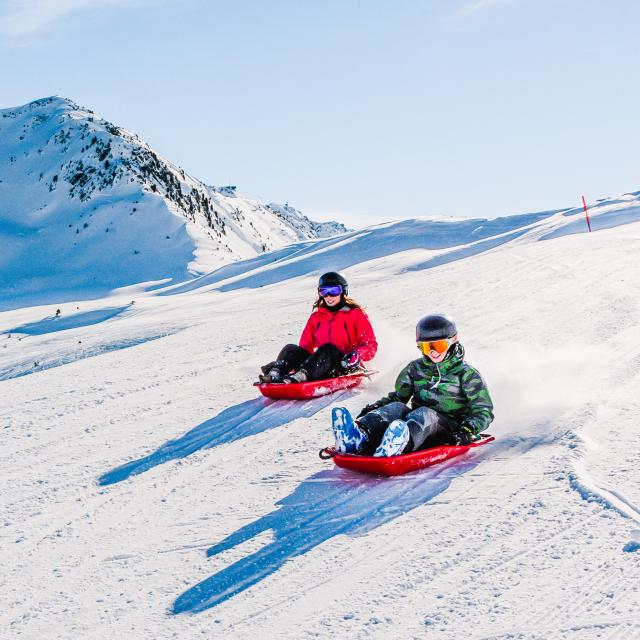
(322, 364)
(427, 427)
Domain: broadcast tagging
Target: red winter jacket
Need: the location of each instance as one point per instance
(348, 328)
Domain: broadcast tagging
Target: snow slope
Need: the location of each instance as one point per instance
(148, 492)
(87, 206)
(413, 245)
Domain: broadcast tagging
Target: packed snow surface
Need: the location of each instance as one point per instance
(148, 490)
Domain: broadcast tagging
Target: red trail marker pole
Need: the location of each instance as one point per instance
(586, 213)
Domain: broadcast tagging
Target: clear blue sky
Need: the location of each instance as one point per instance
(345, 109)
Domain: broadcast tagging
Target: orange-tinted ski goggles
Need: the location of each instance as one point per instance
(435, 345)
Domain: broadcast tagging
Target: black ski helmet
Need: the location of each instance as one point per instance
(435, 327)
(333, 278)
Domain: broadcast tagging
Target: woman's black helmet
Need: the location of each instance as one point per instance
(334, 278)
(435, 327)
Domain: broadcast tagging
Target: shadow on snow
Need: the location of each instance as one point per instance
(325, 505)
(234, 423)
(28, 367)
(51, 324)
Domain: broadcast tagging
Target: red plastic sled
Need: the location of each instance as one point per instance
(306, 390)
(397, 465)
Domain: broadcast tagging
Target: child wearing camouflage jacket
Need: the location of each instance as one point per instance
(450, 403)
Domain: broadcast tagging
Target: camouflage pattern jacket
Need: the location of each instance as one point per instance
(452, 387)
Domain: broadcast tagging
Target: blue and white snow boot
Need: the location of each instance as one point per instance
(349, 438)
(394, 440)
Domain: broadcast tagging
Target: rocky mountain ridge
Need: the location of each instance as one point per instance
(69, 177)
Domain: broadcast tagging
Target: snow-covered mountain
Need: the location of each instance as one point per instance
(85, 204)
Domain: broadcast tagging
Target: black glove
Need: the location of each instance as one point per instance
(463, 435)
(274, 364)
(366, 409)
(350, 361)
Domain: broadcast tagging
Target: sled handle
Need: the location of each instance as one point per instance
(485, 438)
(327, 453)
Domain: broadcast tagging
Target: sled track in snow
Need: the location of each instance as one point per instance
(419, 486)
(617, 630)
(582, 482)
(372, 567)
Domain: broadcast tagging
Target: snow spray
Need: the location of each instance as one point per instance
(529, 385)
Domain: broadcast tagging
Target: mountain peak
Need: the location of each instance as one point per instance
(73, 184)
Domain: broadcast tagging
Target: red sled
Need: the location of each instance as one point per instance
(314, 389)
(397, 465)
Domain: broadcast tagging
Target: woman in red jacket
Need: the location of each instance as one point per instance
(336, 339)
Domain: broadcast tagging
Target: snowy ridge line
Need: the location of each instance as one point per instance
(24, 368)
(407, 241)
(103, 188)
(54, 323)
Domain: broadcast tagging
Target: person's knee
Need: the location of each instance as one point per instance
(392, 411)
(291, 349)
(373, 422)
(329, 349)
(396, 407)
(425, 415)
(419, 428)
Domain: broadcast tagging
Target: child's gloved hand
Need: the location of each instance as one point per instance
(464, 435)
(350, 360)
